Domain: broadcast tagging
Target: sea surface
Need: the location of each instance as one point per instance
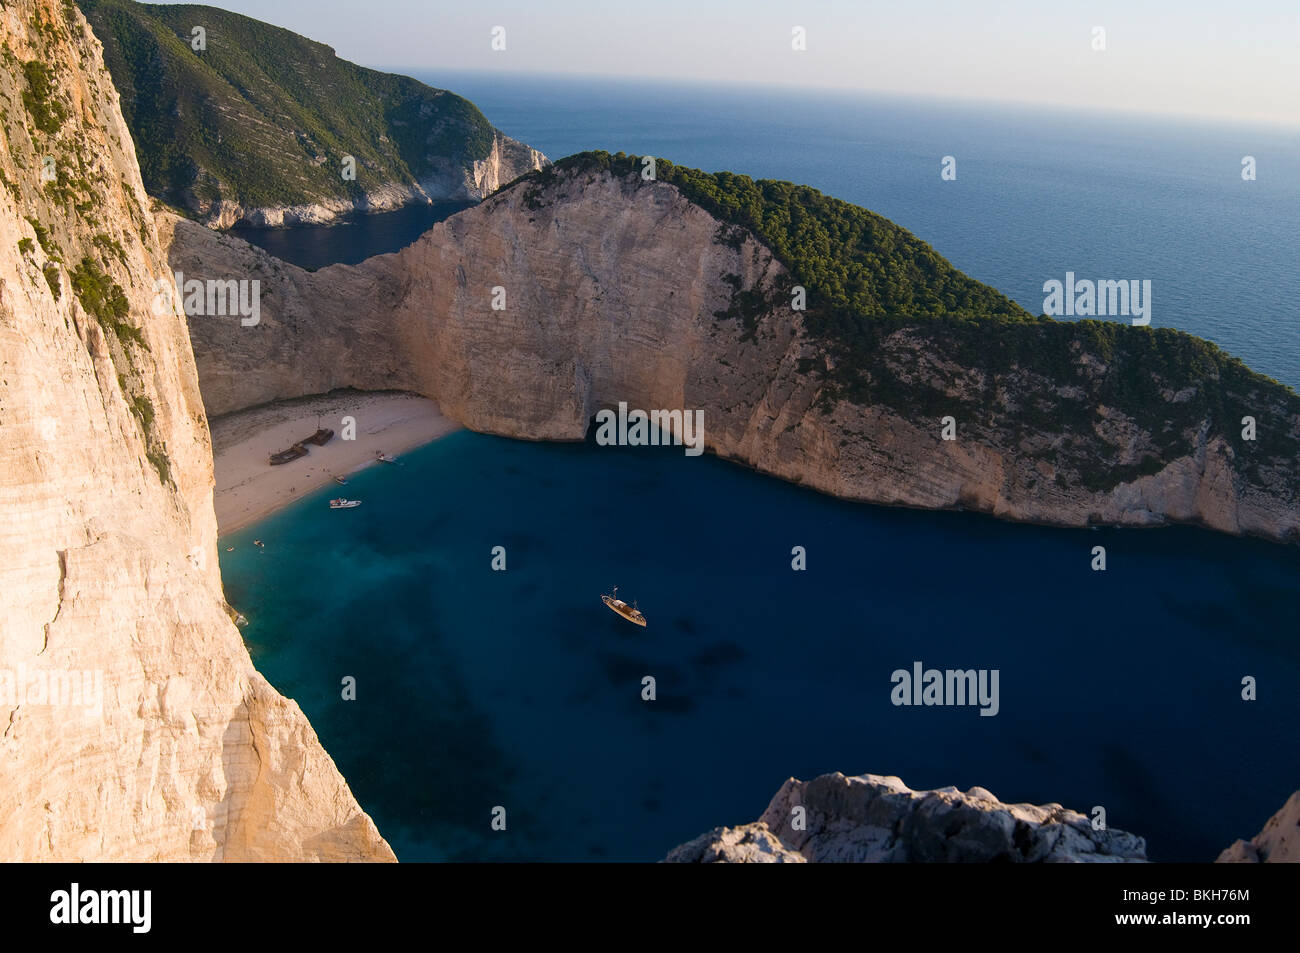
(1038, 193)
(352, 240)
(478, 689)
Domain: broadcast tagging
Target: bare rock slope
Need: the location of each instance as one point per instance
(611, 289)
(875, 819)
(135, 725)
(1277, 843)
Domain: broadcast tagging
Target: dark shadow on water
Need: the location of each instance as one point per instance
(352, 240)
(721, 654)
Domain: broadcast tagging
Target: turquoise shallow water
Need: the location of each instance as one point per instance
(478, 688)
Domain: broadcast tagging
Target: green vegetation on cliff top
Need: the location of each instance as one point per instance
(264, 116)
(867, 279)
(849, 259)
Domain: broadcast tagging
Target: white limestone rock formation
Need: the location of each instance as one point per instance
(1277, 843)
(135, 727)
(611, 287)
(877, 819)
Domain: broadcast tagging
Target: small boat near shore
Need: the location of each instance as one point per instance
(340, 481)
(342, 504)
(629, 612)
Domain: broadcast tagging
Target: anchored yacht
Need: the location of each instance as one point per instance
(629, 612)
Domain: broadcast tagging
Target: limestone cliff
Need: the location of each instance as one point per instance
(875, 819)
(617, 290)
(135, 725)
(1277, 843)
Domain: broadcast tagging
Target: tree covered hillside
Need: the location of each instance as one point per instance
(263, 117)
(897, 325)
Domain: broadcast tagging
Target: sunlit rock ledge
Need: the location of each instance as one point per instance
(876, 819)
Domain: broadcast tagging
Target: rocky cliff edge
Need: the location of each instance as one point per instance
(135, 725)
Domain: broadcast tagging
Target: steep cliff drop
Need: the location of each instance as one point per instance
(1277, 843)
(615, 289)
(135, 726)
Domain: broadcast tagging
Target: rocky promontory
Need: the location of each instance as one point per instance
(874, 819)
(582, 287)
(877, 819)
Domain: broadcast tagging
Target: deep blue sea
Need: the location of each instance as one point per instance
(1038, 193)
(478, 689)
(352, 240)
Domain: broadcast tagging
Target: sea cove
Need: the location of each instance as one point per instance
(478, 688)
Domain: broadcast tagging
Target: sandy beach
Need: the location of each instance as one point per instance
(249, 488)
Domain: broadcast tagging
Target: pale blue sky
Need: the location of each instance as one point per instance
(1182, 57)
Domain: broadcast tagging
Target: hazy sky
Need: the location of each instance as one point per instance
(1227, 58)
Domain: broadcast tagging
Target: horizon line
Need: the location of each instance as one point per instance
(1272, 122)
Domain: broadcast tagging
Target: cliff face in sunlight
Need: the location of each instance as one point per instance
(617, 290)
(135, 725)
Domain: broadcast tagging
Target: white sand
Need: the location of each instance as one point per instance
(249, 488)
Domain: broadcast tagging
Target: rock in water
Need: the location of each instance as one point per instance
(877, 819)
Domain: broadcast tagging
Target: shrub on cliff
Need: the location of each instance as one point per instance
(104, 299)
(46, 112)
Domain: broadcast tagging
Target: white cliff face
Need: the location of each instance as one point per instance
(876, 819)
(1277, 843)
(610, 293)
(508, 160)
(135, 725)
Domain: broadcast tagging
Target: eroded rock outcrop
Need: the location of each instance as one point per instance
(613, 289)
(1277, 843)
(876, 819)
(135, 725)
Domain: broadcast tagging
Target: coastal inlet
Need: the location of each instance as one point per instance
(478, 689)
